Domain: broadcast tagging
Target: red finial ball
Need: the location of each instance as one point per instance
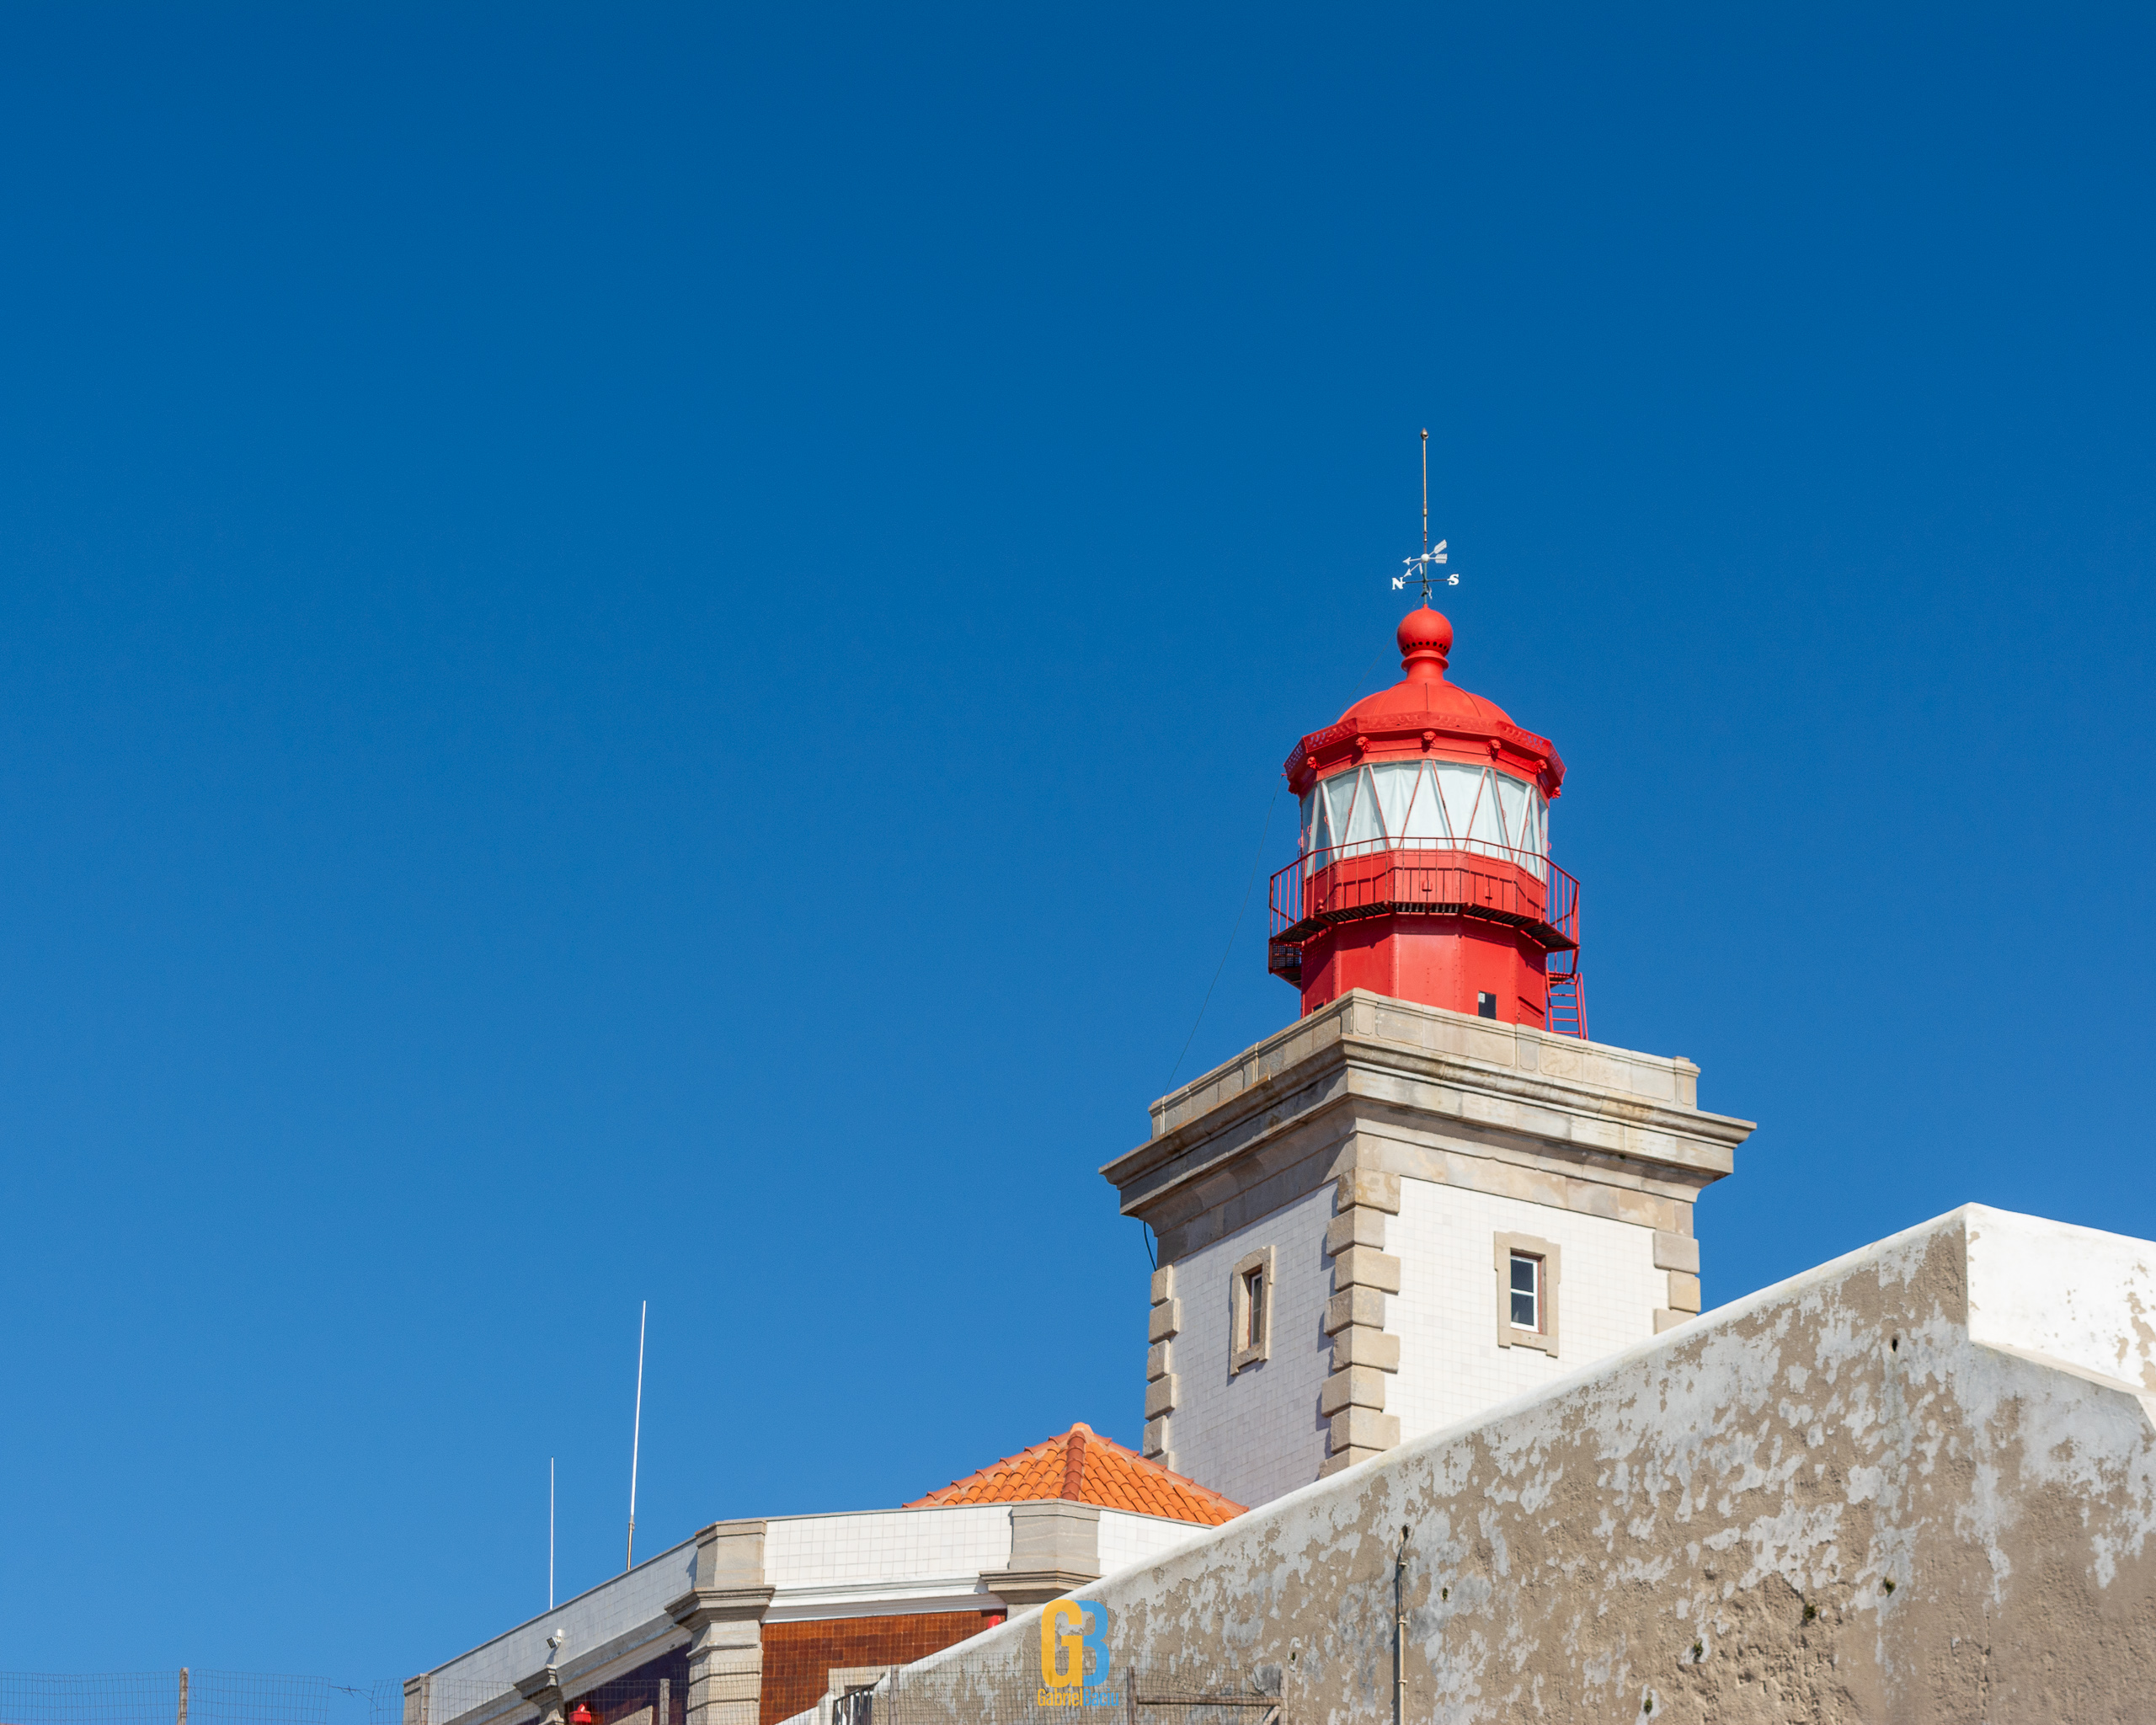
(1425, 639)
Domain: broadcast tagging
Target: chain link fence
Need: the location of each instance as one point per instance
(188, 1697)
(902, 1696)
(893, 1696)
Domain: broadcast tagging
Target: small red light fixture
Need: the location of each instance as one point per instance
(580, 1714)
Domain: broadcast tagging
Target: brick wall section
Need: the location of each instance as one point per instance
(799, 1657)
(633, 1696)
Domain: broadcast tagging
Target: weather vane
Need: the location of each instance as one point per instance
(1425, 566)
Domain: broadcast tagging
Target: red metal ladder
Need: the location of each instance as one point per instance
(1568, 1002)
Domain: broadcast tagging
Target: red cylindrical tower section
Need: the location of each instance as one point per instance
(1424, 868)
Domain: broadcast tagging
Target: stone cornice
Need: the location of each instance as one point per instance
(1344, 1057)
(1020, 1588)
(541, 1684)
(715, 1604)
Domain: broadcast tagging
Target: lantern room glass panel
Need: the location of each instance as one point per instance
(1425, 825)
(1396, 782)
(1427, 805)
(1363, 827)
(1462, 786)
(1339, 806)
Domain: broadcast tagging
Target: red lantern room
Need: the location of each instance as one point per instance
(1424, 870)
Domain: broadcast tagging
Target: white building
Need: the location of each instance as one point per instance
(780, 1615)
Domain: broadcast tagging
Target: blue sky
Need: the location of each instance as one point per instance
(643, 655)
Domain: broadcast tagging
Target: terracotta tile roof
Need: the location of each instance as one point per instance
(1083, 1465)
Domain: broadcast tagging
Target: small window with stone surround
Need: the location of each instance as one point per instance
(1250, 1310)
(1527, 1292)
(1526, 1273)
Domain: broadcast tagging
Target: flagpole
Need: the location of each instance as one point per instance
(636, 1437)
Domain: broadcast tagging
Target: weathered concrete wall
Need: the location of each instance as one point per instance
(1827, 1501)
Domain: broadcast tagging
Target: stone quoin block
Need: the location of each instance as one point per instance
(1371, 1188)
(1676, 1252)
(1683, 1292)
(1357, 1306)
(1360, 1226)
(1161, 1396)
(1358, 1387)
(1164, 1321)
(1360, 1266)
(1358, 1346)
(1364, 1428)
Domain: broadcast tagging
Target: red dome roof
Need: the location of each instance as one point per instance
(1422, 713)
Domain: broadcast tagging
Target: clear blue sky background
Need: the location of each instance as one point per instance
(642, 653)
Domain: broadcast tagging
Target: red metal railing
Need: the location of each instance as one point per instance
(1490, 881)
(1495, 882)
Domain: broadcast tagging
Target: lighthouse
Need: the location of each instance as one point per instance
(1431, 1192)
(1424, 869)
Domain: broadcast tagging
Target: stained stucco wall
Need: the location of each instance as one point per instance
(1827, 1502)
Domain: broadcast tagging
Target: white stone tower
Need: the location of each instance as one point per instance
(1340, 1210)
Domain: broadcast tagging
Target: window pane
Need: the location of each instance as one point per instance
(1526, 1279)
(1257, 1308)
(1426, 816)
(1396, 782)
(1363, 827)
(1339, 794)
(1486, 827)
(1460, 785)
(1512, 802)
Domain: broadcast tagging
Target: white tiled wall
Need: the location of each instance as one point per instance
(1446, 1311)
(1259, 1434)
(1127, 1539)
(588, 1621)
(891, 1545)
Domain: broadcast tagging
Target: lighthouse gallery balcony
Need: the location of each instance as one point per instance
(1434, 838)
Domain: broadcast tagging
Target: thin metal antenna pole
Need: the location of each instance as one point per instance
(1426, 487)
(1400, 1633)
(636, 1436)
(550, 1533)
